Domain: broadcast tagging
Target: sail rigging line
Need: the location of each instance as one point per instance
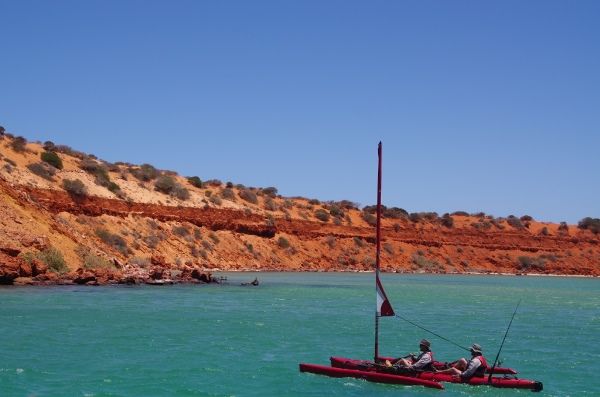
(502, 344)
(431, 332)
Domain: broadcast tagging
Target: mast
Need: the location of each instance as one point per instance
(383, 308)
(377, 282)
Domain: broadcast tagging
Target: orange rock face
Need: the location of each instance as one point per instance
(104, 239)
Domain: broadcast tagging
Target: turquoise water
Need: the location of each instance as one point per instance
(229, 340)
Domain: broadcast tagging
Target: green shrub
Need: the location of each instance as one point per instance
(19, 144)
(228, 194)
(531, 263)
(395, 213)
(248, 196)
(165, 184)
(213, 182)
(91, 261)
(216, 200)
(195, 181)
(270, 204)
(563, 227)
(145, 172)
(270, 191)
(360, 243)
(74, 187)
(322, 215)
(515, 222)
(181, 231)
(336, 211)
(591, 224)
(213, 236)
(422, 263)
(52, 159)
(526, 218)
(447, 221)
(114, 240)
(460, 213)
(42, 169)
(49, 146)
(283, 242)
(54, 260)
(369, 218)
(181, 193)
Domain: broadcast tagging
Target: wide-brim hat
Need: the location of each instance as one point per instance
(475, 348)
(425, 342)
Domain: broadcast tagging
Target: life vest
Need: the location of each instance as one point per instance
(480, 371)
(428, 367)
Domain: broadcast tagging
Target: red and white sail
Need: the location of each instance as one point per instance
(384, 307)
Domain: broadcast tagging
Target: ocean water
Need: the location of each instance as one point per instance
(228, 340)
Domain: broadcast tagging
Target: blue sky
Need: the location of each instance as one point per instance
(481, 105)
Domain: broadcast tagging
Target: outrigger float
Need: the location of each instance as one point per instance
(374, 371)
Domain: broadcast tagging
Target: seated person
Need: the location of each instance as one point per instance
(467, 369)
(423, 362)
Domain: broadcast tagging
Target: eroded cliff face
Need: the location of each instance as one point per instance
(137, 233)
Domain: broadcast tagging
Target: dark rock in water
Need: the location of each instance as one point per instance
(253, 283)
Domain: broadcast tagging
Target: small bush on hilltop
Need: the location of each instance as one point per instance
(270, 191)
(563, 227)
(591, 224)
(52, 159)
(43, 170)
(145, 172)
(166, 184)
(100, 173)
(447, 221)
(18, 144)
(49, 146)
(249, 196)
(74, 187)
(395, 213)
(228, 194)
(322, 215)
(195, 181)
(515, 222)
(369, 218)
(460, 213)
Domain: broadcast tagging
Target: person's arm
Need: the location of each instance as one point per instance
(471, 368)
(423, 361)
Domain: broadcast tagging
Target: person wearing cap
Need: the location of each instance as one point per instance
(476, 366)
(422, 362)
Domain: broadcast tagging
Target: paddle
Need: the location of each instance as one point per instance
(501, 345)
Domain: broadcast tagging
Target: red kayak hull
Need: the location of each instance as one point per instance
(367, 366)
(370, 376)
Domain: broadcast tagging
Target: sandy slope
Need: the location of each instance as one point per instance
(271, 234)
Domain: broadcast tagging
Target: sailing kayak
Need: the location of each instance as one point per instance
(440, 365)
(513, 383)
(370, 376)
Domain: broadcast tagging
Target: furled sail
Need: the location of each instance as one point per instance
(384, 307)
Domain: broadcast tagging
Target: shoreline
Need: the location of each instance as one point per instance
(215, 278)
